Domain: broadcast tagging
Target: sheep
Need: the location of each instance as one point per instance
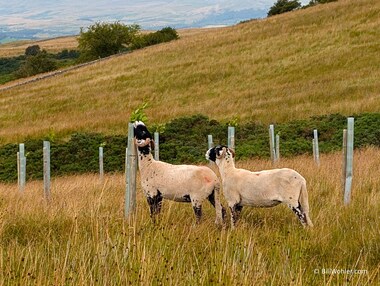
(180, 183)
(259, 189)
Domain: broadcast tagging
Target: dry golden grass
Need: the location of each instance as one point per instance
(316, 61)
(82, 238)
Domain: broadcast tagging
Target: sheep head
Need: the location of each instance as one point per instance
(219, 152)
(143, 138)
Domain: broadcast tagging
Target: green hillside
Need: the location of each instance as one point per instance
(315, 61)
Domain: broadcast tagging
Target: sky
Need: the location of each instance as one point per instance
(66, 17)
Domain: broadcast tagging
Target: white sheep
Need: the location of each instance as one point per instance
(180, 183)
(259, 189)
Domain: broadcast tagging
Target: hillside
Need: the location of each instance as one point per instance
(316, 61)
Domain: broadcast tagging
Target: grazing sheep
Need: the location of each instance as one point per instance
(259, 189)
(180, 183)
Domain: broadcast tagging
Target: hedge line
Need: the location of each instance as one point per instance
(184, 140)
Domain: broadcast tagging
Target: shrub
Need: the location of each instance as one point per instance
(39, 63)
(283, 6)
(164, 35)
(104, 39)
(32, 50)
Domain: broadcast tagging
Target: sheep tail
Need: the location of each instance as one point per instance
(304, 202)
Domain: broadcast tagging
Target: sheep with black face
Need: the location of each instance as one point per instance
(259, 189)
(180, 183)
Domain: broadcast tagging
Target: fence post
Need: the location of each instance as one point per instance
(349, 160)
(344, 159)
(271, 143)
(18, 168)
(316, 147)
(210, 143)
(231, 137)
(101, 164)
(131, 170)
(156, 146)
(46, 160)
(22, 168)
(277, 147)
(126, 161)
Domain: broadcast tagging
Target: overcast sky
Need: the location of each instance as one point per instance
(68, 16)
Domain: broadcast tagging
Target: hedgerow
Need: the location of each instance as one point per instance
(184, 140)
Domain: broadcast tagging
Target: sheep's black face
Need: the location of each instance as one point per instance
(141, 132)
(142, 135)
(214, 152)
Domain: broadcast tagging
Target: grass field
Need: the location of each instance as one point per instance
(82, 237)
(321, 60)
(315, 61)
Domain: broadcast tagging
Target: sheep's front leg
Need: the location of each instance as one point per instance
(219, 207)
(197, 207)
(235, 214)
(155, 203)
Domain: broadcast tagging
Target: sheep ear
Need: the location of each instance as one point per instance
(152, 144)
(232, 152)
(221, 153)
(218, 153)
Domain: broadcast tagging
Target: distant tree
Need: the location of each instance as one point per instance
(164, 35)
(32, 50)
(283, 6)
(104, 39)
(36, 64)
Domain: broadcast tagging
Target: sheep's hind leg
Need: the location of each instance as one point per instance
(299, 213)
(235, 214)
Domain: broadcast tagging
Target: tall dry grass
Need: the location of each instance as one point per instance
(315, 61)
(82, 237)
